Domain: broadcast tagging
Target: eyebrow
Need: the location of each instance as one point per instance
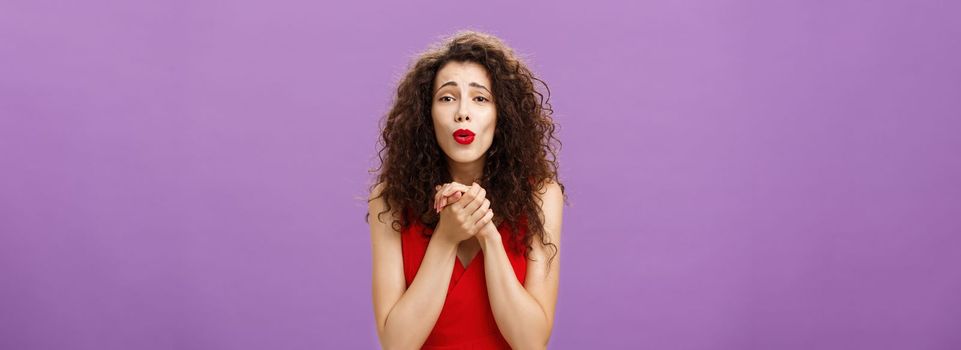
(452, 83)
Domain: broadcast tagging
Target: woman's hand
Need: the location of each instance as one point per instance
(467, 215)
(448, 193)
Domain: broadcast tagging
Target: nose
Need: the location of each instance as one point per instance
(462, 112)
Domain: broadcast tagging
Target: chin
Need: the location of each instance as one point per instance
(464, 157)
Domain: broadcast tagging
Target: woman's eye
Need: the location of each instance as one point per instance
(481, 99)
(446, 98)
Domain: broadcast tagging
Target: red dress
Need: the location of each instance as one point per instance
(466, 321)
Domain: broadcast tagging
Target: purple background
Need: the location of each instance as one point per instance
(742, 174)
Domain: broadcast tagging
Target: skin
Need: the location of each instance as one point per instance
(524, 313)
(462, 99)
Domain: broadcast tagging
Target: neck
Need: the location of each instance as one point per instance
(466, 173)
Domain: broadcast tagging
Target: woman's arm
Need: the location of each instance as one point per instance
(525, 314)
(405, 316)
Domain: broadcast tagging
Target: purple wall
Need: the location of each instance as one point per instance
(742, 174)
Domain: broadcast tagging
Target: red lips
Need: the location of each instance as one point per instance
(464, 136)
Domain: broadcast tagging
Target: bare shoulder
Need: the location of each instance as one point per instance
(377, 206)
(378, 189)
(551, 200)
(551, 193)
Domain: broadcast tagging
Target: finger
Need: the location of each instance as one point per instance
(461, 188)
(476, 200)
(451, 193)
(443, 191)
(453, 198)
(484, 220)
(469, 195)
(442, 194)
(481, 211)
(454, 187)
(437, 197)
(481, 199)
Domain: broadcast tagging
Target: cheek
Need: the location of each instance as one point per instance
(435, 118)
(439, 132)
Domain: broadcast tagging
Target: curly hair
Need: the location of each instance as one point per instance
(522, 158)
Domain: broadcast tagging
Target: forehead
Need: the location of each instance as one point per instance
(462, 72)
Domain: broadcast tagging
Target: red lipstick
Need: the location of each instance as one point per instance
(464, 136)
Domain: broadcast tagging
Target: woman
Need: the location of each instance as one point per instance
(468, 256)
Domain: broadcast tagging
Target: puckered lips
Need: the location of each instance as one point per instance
(464, 136)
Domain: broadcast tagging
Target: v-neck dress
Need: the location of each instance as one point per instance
(466, 320)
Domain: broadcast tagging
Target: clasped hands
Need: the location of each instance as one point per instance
(464, 212)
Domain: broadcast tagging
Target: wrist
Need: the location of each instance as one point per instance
(443, 242)
(491, 238)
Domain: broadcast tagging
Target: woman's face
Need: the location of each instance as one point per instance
(463, 105)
